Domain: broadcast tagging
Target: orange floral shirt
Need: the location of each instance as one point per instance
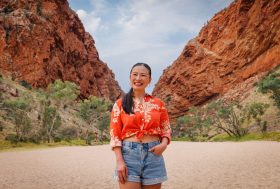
(149, 118)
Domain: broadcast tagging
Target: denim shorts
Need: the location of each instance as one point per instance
(143, 166)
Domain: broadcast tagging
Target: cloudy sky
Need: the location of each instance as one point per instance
(150, 31)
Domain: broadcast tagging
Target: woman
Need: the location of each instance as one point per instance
(140, 132)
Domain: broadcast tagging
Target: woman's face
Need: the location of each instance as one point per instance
(139, 78)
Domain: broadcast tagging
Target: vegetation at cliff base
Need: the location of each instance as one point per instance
(50, 117)
(257, 119)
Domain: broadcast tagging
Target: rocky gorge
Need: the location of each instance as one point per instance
(41, 41)
(231, 53)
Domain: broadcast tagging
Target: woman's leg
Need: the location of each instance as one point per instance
(154, 186)
(130, 185)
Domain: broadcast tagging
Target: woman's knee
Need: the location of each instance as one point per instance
(154, 186)
(130, 185)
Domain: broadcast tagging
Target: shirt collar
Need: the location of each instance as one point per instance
(147, 96)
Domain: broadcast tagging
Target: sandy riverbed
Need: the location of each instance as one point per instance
(189, 165)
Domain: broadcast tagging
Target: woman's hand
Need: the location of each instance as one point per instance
(122, 171)
(158, 149)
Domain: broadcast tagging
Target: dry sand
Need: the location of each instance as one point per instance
(189, 165)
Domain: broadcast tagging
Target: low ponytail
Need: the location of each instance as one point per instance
(127, 102)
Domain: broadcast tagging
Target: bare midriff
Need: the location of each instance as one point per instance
(144, 139)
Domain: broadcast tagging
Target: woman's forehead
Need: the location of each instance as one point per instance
(140, 69)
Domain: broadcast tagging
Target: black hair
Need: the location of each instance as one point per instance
(127, 101)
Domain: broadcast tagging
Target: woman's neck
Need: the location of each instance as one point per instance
(139, 94)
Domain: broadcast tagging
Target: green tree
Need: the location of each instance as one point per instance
(17, 111)
(58, 95)
(93, 111)
(51, 122)
(181, 126)
(271, 84)
(255, 111)
(68, 133)
(227, 117)
(186, 127)
(62, 93)
(195, 124)
(103, 123)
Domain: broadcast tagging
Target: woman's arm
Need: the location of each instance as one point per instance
(116, 142)
(159, 149)
(165, 132)
(121, 166)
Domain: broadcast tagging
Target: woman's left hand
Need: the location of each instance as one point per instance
(158, 149)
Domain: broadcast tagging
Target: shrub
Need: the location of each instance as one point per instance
(103, 124)
(89, 136)
(95, 112)
(39, 7)
(8, 29)
(8, 9)
(50, 123)
(194, 124)
(16, 104)
(35, 138)
(17, 112)
(93, 108)
(229, 118)
(271, 84)
(255, 111)
(13, 138)
(55, 98)
(25, 84)
(69, 133)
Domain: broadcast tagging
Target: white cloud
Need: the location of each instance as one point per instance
(90, 20)
(151, 31)
(82, 13)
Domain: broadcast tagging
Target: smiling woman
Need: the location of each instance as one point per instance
(140, 132)
(139, 79)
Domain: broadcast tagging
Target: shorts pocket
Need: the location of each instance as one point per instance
(126, 150)
(155, 155)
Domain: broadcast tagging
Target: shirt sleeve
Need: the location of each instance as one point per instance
(116, 126)
(165, 124)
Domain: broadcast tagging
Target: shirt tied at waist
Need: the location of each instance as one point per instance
(140, 134)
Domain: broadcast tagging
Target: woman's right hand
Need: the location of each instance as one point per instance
(122, 171)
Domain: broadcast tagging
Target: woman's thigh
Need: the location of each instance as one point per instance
(130, 185)
(154, 186)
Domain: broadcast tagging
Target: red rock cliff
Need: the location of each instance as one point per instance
(238, 43)
(44, 40)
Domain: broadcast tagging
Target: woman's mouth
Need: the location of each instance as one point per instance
(138, 83)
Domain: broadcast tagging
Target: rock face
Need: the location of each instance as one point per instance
(44, 40)
(239, 43)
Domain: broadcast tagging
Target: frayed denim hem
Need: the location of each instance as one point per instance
(130, 178)
(153, 181)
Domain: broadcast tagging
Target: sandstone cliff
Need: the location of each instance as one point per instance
(237, 46)
(44, 40)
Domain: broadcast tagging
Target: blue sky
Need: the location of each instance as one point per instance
(150, 31)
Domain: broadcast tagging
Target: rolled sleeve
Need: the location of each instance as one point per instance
(116, 126)
(165, 124)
